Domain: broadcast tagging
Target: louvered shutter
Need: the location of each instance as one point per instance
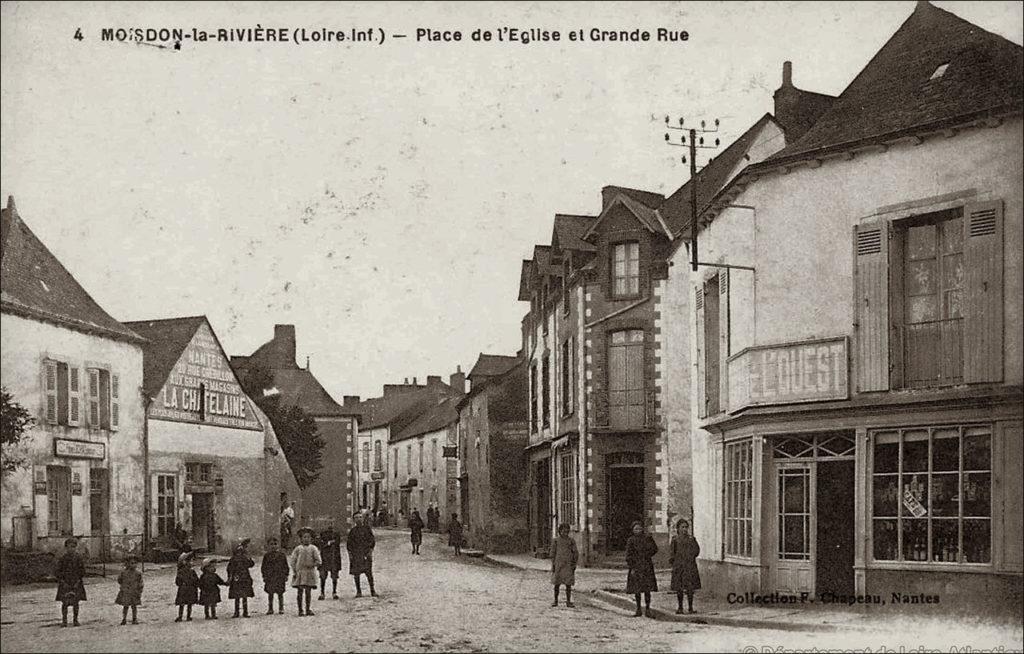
(723, 339)
(74, 397)
(115, 403)
(983, 309)
(702, 403)
(62, 393)
(871, 313)
(50, 391)
(94, 398)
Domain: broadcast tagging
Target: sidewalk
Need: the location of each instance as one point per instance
(530, 562)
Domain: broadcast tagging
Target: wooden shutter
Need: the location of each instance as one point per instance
(635, 393)
(871, 313)
(62, 393)
(94, 398)
(74, 397)
(115, 403)
(50, 391)
(702, 404)
(983, 305)
(1008, 451)
(723, 339)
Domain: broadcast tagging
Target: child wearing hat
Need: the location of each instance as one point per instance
(209, 589)
(240, 581)
(187, 582)
(69, 573)
(275, 575)
(129, 594)
(305, 560)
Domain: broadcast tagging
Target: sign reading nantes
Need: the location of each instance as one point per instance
(202, 388)
(795, 372)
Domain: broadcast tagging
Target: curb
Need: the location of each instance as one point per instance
(621, 601)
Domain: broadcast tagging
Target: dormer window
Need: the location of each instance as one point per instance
(626, 269)
(940, 71)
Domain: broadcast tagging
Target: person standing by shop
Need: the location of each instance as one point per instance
(564, 556)
(640, 551)
(416, 530)
(455, 534)
(360, 543)
(239, 579)
(69, 573)
(330, 551)
(683, 554)
(305, 560)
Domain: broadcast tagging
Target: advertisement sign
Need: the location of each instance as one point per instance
(450, 451)
(810, 371)
(202, 388)
(79, 449)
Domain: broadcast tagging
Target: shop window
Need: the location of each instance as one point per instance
(567, 488)
(932, 495)
(626, 269)
(166, 504)
(739, 482)
(198, 473)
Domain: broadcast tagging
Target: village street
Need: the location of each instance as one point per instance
(434, 602)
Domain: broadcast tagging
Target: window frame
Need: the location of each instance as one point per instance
(545, 389)
(165, 500)
(631, 273)
(567, 487)
(737, 493)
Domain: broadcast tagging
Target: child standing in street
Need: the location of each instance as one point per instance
(69, 572)
(641, 580)
(209, 589)
(455, 534)
(683, 554)
(416, 531)
(305, 560)
(130, 593)
(275, 575)
(360, 542)
(564, 556)
(330, 552)
(187, 582)
(239, 579)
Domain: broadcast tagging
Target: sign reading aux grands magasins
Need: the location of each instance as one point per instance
(202, 388)
(794, 372)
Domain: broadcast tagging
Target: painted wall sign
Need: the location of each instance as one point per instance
(796, 372)
(451, 451)
(79, 449)
(202, 388)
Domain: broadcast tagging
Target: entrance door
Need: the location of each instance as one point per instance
(542, 476)
(99, 508)
(58, 496)
(202, 521)
(625, 502)
(834, 499)
(794, 570)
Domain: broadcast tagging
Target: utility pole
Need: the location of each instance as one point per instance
(694, 144)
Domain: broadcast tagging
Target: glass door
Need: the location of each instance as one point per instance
(795, 528)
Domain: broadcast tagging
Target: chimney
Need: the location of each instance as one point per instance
(413, 381)
(284, 346)
(350, 401)
(10, 204)
(307, 363)
(787, 73)
(457, 380)
(433, 380)
(406, 382)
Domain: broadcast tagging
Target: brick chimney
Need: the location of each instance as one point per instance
(797, 110)
(457, 380)
(434, 380)
(284, 346)
(350, 401)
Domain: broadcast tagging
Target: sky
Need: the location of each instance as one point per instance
(380, 197)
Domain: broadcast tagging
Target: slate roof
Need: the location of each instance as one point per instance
(710, 179)
(648, 198)
(432, 418)
(400, 409)
(895, 93)
(298, 387)
(34, 283)
(542, 256)
(478, 388)
(491, 365)
(167, 339)
(524, 280)
(569, 230)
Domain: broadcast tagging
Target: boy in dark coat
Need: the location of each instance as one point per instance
(416, 531)
(455, 534)
(275, 575)
(209, 589)
(564, 556)
(187, 582)
(330, 552)
(360, 543)
(129, 594)
(239, 579)
(683, 559)
(69, 573)
(640, 551)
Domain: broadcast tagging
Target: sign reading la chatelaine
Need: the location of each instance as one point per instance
(202, 388)
(795, 372)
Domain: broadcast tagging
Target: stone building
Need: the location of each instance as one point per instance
(858, 393)
(215, 466)
(79, 373)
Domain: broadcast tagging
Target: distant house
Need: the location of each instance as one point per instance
(215, 466)
(332, 497)
(79, 373)
(425, 477)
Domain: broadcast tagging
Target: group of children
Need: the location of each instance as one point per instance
(192, 588)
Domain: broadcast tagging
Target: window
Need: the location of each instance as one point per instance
(433, 454)
(365, 451)
(62, 392)
(198, 473)
(932, 299)
(545, 389)
(567, 377)
(567, 488)
(58, 500)
(378, 459)
(739, 482)
(626, 394)
(421, 457)
(533, 396)
(166, 504)
(626, 269)
(932, 495)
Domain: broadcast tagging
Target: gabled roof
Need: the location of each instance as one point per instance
(524, 280)
(898, 90)
(298, 387)
(647, 216)
(542, 256)
(167, 339)
(438, 416)
(490, 380)
(710, 179)
(399, 409)
(492, 365)
(568, 232)
(35, 284)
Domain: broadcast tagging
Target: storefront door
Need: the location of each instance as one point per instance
(625, 497)
(203, 537)
(99, 512)
(794, 570)
(542, 478)
(835, 534)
